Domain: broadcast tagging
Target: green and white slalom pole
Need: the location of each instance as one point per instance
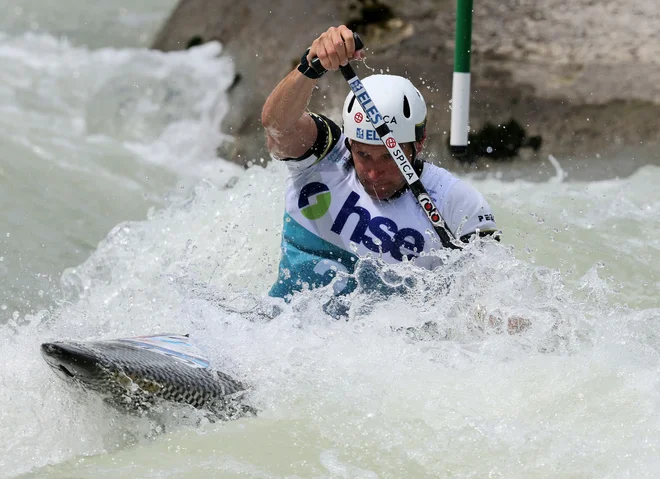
(460, 97)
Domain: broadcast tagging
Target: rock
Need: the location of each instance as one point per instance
(581, 83)
(265, 40)
(499, 142)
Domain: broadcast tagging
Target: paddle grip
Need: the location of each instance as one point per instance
(316, 63)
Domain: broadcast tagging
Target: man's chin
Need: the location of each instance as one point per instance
(378, 194)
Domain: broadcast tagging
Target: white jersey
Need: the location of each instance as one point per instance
(330, 220)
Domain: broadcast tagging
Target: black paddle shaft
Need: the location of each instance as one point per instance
(397, 154)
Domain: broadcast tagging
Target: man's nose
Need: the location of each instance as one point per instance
(373, 173)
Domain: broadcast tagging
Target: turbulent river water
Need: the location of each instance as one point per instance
(118, 220)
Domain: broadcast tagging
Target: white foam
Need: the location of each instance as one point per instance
(570, 396)
(362, 396)
(94, 137)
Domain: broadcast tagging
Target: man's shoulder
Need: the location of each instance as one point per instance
(339, 153)
(451, 192)
(462, 206)
(437, 173)
(328, 151)
(438, 181)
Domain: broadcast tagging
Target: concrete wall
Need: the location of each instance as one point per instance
(584, 74)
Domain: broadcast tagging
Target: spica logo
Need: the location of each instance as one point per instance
(321, 205)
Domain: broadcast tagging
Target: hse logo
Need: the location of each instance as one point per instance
(384, 236)
(358, 117)
(390, 142)
(322, 198)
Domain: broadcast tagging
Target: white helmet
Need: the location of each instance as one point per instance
(400, 103)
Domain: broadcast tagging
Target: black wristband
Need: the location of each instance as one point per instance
(307, 70)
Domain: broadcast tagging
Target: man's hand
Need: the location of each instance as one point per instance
(516, 324)
(495, 321)
(334, 48)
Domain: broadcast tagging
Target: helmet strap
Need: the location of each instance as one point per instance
(417, 162)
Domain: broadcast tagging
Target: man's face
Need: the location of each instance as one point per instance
(376, 169)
